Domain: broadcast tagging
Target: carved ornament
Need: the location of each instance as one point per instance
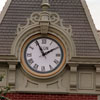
(44, 19)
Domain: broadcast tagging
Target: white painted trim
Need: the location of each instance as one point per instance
(89, 17)
(3, 12)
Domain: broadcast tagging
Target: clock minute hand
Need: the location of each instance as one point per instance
(50, 51)
(40, 47)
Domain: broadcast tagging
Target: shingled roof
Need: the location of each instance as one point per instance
(71, 11)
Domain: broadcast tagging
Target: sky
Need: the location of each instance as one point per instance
(93, 5)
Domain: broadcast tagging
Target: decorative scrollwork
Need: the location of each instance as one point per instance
(35, 17)
(43, 19)
(54, 18)
(21, 27)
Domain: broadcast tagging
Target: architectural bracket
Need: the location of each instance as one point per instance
(97, 77)
(73, 76)
(12, 74)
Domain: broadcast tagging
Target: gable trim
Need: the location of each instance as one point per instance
(92, 25)
(5, 8)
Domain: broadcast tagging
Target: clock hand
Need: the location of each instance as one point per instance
(50, 51)
(40, 47)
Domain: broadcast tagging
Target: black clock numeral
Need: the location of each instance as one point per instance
(43, 68)
(36, 42)
(58, 55)
(56, 61)
(44, 41)
(51, 42)
(31, 47)
(51, 68)
(29, 55)
(30, 61)
(35, 67)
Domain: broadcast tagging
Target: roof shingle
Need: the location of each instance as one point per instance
(72, 13)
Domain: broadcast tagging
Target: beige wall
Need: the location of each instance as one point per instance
(73, 79)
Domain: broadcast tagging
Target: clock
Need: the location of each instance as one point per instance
(43, 56)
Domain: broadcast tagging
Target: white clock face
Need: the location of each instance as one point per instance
(43, 55)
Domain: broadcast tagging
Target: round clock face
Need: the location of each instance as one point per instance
(43, 56)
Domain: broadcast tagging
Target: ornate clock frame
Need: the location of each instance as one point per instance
(44, 22)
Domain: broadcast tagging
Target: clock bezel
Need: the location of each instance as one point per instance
(44, 72)
(37, 74)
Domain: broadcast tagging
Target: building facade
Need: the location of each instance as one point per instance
(49, 50)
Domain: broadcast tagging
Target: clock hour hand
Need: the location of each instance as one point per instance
(40, 48)
(50, 51)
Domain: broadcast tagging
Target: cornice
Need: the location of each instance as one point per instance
(85, 60)
(8, 58)
(73, 60)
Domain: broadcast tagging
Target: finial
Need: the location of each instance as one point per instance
(45, 5)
